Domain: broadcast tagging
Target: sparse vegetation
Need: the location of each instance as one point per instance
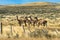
(29, 28)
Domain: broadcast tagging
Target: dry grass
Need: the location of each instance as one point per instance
(39, 9)
(29, 38)
(10, 21)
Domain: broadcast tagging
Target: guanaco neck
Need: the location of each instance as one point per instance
(17, 18)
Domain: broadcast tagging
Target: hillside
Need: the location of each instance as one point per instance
(38, 7)
(36, 20)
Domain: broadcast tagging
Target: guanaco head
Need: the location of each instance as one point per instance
(29, 16)
(36, 18)
(26, 17)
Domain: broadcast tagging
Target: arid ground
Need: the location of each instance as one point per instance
(10, 29)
